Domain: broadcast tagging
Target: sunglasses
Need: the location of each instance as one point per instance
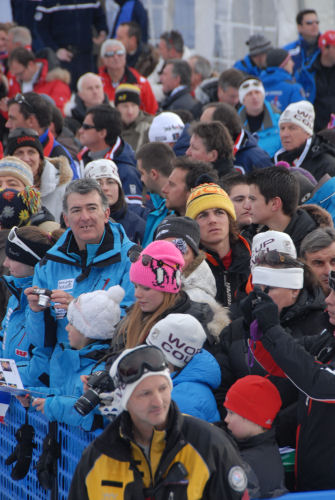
(20, 99)
(13, 238)
(135, 253)
(274, 258)
(309, 23)
(86, 126)
(132, 366)
(113, 53)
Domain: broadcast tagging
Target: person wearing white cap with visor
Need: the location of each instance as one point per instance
(300, 146)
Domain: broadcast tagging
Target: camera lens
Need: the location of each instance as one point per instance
(43, 300)
(87, 402)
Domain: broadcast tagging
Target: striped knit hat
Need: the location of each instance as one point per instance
(207, 196)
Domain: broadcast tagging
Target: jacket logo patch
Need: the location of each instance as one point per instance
(237, 478)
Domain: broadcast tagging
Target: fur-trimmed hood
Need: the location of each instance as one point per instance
(56, 172)
(58, 74)
(199, 284)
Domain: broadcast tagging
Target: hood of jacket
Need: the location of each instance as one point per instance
(203, 368)
(56, 172)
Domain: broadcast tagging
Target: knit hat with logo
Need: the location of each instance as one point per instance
(254, 398)
(300, 113)
(271, 240)
(103, 168)
(179, 336)
(127, 92)
(206, 196)
(10, 165)
(180, 227)
(23, 137)
(158, 267)
(96, 314)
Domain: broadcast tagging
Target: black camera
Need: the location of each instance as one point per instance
(43, 296)
(98, 382)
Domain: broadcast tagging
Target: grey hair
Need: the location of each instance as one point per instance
(202, 66)
(83, 77)
(182, 69)
(109, 42)
(317, 240)
(84, 186)
(21, 35)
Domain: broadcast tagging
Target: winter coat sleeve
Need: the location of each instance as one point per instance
(315, 380)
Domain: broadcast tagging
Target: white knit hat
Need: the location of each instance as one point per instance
(95, 314)
(300, 113)
(271, 240)
(166, 127)
(103, 168)
(179, 336)
(125, 391)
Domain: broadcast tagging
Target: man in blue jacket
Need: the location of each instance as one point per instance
(305, 49)
(91, 255)
(100, 134)
(253, 63)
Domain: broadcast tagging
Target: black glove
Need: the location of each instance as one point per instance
(246, 309)
(46, 467)
(264, 309)
(23, 451)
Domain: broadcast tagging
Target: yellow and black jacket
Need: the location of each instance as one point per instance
(190, 460)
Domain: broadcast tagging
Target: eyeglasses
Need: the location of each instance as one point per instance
(87, 126)
(20, 99)
(113, 53)
(309, 23)
(147, 359)
(13, 238)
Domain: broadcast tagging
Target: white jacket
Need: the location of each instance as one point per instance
(56, 175)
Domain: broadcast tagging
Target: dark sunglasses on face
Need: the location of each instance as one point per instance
(86, 126)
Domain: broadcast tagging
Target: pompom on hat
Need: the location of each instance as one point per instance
(254, 398)
(95, 314)
(206, 196)
(10, 165)
(103, 168)
(158, 266)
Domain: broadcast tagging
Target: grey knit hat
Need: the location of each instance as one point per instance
(180, 227)
(258, 44)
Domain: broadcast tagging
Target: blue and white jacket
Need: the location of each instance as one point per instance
(65, 384)
(193, 385)
(302, 53)
(247, 66)
(268, 134)
(64, 267)
(280, 87)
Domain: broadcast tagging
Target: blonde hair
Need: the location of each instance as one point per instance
(136, 325)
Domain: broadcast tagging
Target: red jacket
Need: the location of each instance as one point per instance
(50, 83)
(148, 100)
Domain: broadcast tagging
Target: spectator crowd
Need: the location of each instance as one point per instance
(167, 251)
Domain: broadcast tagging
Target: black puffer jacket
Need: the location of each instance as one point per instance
(304, 318)
(320, 159)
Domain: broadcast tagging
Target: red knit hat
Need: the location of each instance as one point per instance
(254, 398)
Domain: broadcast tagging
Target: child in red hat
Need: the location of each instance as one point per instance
(252, 404)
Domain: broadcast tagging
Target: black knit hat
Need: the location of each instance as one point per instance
(276, 57)
(127, 92)
(258, 44)
(20, 137)
(180, 227)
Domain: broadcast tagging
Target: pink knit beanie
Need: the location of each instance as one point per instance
(159, 267)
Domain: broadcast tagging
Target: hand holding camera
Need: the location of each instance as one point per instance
(263, 309)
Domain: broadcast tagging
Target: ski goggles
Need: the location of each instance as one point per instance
(15, 240)
(134, 364)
